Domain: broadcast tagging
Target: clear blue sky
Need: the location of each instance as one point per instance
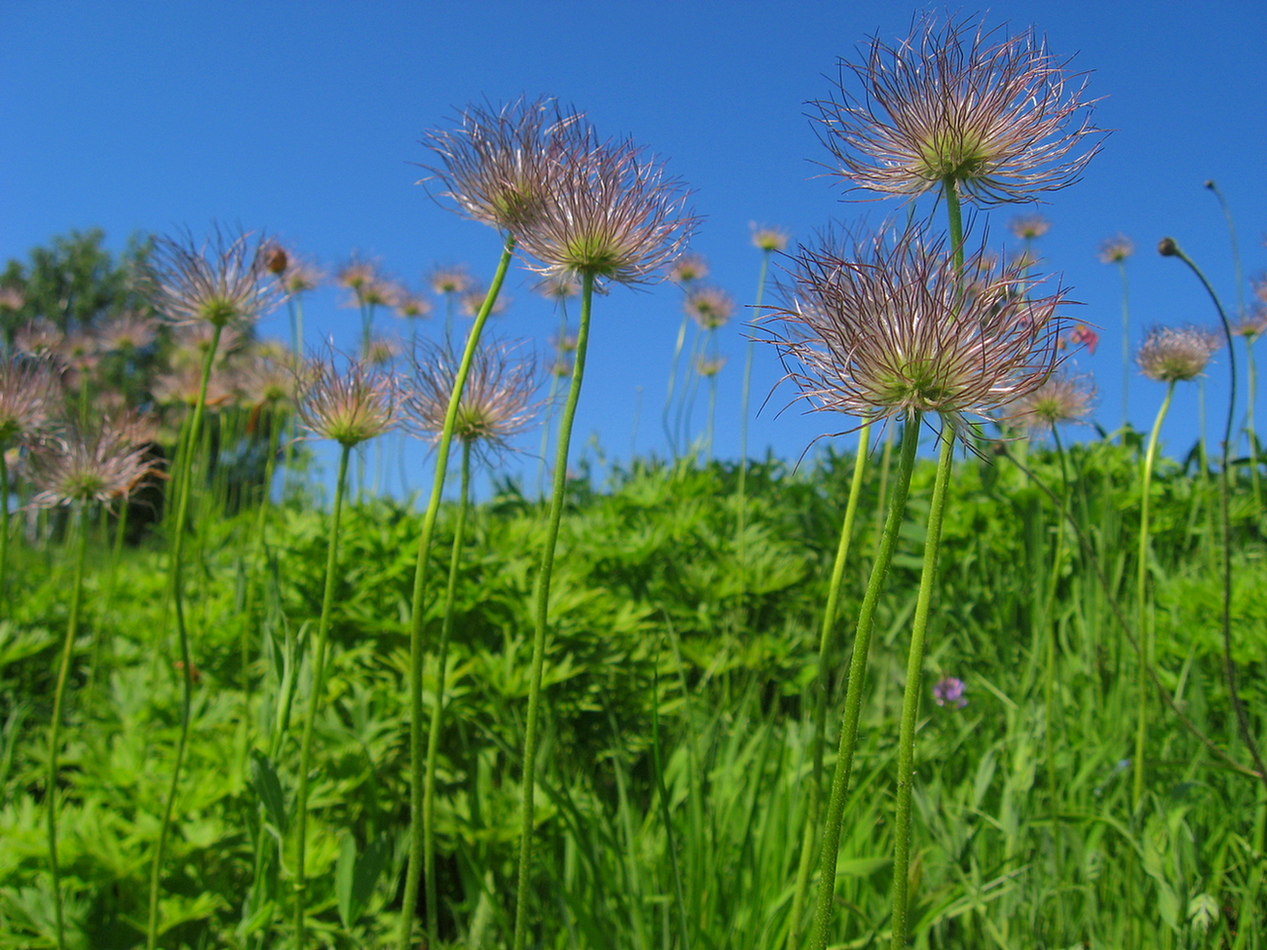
(303, 118)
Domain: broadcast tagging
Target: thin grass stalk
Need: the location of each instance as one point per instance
(1049, 679)
(185, 479)
(542, 611)
(416, 748)
(560, 356)
(314, 698)
(255, 577)
(1251, 383)
(437, 711)
(1141, 595)
(911, 696)
(820, 687)
(54, 734)
(857, 676)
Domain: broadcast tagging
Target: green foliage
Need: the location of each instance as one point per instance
(675, 762)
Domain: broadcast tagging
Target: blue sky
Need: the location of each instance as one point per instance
(303, 119)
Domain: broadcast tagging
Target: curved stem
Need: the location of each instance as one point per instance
(63, 670)
(408, 905)
(437, 711)
(184, 490)
(743, 434)
(821, 682)
(857, 676)
(1141, 596)
(542, 611)
(314, 697)
(911, 695)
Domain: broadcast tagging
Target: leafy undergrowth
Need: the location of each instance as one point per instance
(675, 767)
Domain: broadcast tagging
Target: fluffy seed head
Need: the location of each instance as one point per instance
(611, 213)
(222, 282)
(687, 268)
(710, 307)
(1116, 249)
(1062, 398)
(102, 464)
(451, 280)
(350, 407)
(497, 166)
(769, 239)
(1170, 354)
(1027, 227)
(887, 327)
(498, 400)
(999, 115)
(28, 396)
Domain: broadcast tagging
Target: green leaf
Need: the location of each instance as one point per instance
(269, 788)
(355, 877)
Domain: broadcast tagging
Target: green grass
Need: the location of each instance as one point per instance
(674, 768)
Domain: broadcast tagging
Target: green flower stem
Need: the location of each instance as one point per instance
(669, 429)
(437, 711)
(542, 611)
(183, 491)
(1126, 348)
(955, 214)
(743, 432)
(1141, 595)
(1252, 385)
(416, 748)
(54, 733)
(825, 643)
(911, 696)
(4, 530)
(857, 676)
(314, 698)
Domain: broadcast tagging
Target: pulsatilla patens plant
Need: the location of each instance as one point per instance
(999, 116)
(888, 327)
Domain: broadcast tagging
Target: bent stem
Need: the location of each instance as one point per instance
(911, 695)
(437, 711)
(177, 528)
(416, 837)
(63, 670)
(825, 642)
(857, 676)
(314, 698)
(1141, 595)
(542, 611)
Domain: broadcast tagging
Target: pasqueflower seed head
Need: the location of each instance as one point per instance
(498, 165)
(28, 396)
(1170, 354)
(710, 307)
(687, 268)
(350, 407)
(998, 115)
(498, 401)
(101, 464)
(1253, 324)
(611, 213)
(769, 239)
(1062, 398)
(887, 327)
(1116, 249)
(451, 280)
(222, 282)
(1027, 227)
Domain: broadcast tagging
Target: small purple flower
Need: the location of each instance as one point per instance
(949, 690)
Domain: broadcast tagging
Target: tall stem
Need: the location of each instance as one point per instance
(54, 733)
(911, 695)
(820, 688)
(408, 905)
(743, 436)
(178, 527)
(314, 698)
(1126, 349)
(542, 611)
(1141, 596)
(437, 710)
(857, 676)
